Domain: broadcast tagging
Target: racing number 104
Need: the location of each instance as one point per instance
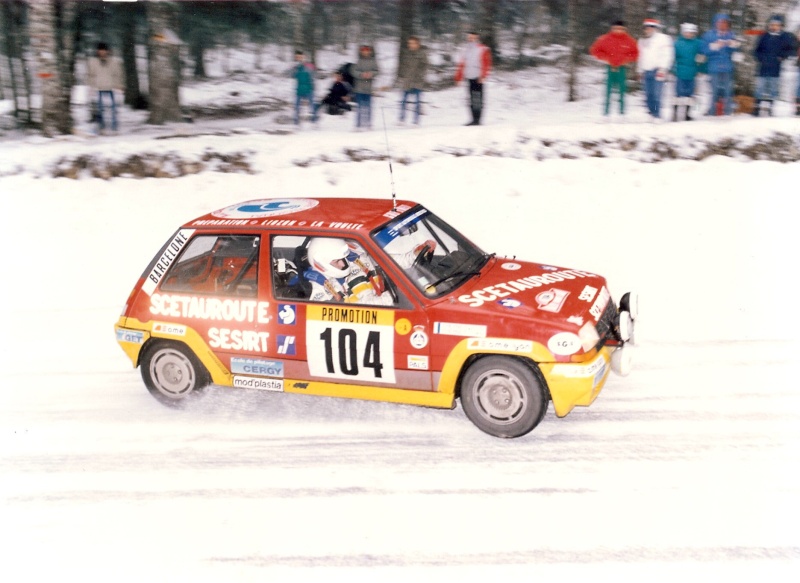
(346, 349)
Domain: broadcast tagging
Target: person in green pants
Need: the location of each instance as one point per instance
(617, 49)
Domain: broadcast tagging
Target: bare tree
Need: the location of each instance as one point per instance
(49, 53)
(163, 64)
(406, 22)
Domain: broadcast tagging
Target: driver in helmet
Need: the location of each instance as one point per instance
(341, 271)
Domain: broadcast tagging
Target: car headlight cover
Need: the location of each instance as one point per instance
(589, 336)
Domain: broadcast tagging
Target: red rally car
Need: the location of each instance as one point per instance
(371, 299)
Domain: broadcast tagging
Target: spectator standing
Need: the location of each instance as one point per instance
(411, 77)
(773, 47)
(338, 96)
(104, 76)
(474, 65)
(303, 73)
(616, 49)
(797, 94)
(719, 47)
(688, 55)
(656, 55)
(364, 72)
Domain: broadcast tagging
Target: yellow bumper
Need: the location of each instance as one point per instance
(576, 384)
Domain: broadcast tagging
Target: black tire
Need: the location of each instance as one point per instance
(171, 372)
(503, 396)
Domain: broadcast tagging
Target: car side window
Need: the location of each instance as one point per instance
(216, 264)
(328, 269)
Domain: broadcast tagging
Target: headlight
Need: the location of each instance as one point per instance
(589, 336)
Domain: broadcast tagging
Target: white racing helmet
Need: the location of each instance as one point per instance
(329, 256)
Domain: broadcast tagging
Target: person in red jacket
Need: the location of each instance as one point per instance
(617, 49)
(474, 65)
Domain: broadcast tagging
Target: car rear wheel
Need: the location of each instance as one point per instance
(171, 372)
(503, 396)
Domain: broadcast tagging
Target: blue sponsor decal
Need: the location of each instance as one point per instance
(132, 336)
(508, 303)
(287, 314)
(255, 366)
(286, 345)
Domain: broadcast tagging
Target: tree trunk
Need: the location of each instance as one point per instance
(133, 96)
(56, 117)
(163, 64)
(406, 22)
(574, 51)
(486, 29)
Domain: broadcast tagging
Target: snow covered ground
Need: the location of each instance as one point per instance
(684, 469)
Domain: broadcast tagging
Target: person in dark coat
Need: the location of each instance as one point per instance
(411, 77)
(773, 47)
(364, 72)
(617, 49)
(338, 98)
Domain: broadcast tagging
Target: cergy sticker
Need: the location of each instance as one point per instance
(551, 300)
(169, 329)
(417, 362)
(564, 344)
(169, 255)
(502, 290)
(258, 383)
(350, 343)
(261, 209)
(267, 368)
(456, 329)
(600, 304)
(132, 336)
(500, 344)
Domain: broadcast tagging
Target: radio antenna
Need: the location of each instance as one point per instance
(389, 153)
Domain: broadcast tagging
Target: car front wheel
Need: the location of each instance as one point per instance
(171, 372)
(503, 396)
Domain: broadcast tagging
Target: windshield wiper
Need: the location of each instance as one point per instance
(465, 273)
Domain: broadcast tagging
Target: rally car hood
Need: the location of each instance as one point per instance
(518, 289)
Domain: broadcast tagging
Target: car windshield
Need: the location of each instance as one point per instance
(434, 256)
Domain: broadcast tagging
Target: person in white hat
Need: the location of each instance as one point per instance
(656, 55)
(688, 57)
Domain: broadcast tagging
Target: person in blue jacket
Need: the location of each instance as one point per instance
(303, 73)
(773, 47)
(688, 55)
(719, 47)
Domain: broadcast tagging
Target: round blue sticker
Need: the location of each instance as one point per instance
(261, 209)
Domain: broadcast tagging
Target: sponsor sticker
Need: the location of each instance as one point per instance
(511, 266)
(564, 343)
(500, 344)
(592, 369)
(257, 383)
(169, 255)
(600, 304)
(588, 293)
(168, 329)
(261, 209)
(132, 336)
(403, 326)
(287, 314)
(417, 362)
(457, 329)
(578, 320)
(287, 345)
(419, 339)
(267, 368)
(551, 300)
(509, 303)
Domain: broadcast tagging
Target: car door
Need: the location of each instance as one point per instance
(361, 343)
